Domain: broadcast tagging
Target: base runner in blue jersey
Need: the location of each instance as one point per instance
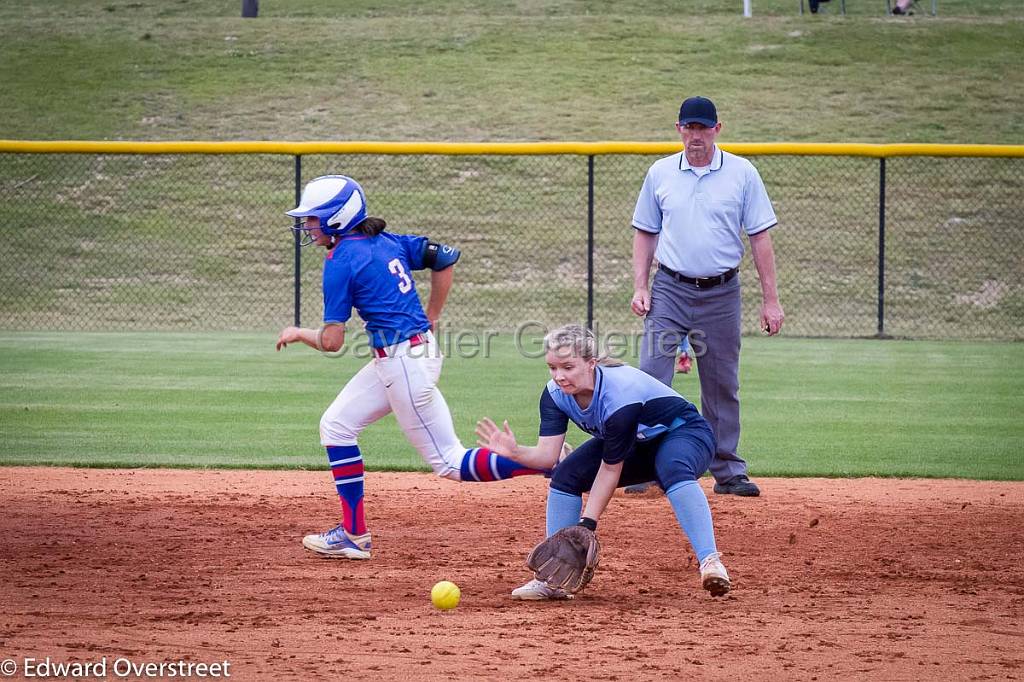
(642, 431)
(370, 270)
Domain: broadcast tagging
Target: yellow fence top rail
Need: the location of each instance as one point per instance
(502, 148)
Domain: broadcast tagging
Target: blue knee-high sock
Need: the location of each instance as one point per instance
(480, 464)
(694, 515)
(563, 510)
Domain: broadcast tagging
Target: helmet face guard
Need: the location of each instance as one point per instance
(306, 237)
(337, 200)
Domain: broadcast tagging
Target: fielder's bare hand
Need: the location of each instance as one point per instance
(501, 441)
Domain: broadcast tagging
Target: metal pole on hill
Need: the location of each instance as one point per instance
(297, 284)
(881, 249)
(590, 242)
(250, 8)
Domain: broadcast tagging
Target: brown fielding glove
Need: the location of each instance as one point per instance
(566, 560)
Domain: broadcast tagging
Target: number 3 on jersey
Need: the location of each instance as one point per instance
(404, 282)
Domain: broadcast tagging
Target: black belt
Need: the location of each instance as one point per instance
(700, 282)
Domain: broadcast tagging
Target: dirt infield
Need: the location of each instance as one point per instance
(868, 579)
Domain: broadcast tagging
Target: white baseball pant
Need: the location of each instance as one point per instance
(404, 382)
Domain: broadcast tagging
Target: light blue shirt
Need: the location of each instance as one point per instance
(701, 213)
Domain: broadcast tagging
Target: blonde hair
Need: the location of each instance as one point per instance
(581, 341)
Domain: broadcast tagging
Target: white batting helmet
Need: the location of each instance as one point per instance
(337, 200)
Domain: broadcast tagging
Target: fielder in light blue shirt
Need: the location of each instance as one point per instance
(641, 430)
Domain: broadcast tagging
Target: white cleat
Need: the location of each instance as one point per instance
(536, 590)
(713, 576)
(338, 544)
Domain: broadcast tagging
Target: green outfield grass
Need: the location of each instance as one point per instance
(811, 407)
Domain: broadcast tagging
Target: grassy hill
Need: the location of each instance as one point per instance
(529, 70)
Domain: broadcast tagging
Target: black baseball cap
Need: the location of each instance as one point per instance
(698, 110)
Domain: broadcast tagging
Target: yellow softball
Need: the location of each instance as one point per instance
(445, 595)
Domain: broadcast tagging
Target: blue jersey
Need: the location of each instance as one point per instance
(373, 275)
(628, 406)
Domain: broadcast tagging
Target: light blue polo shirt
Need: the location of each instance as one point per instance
(701, 213)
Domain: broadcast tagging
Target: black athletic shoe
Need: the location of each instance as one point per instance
(814, 6)
(738, 485)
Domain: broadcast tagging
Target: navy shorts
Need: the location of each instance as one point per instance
(683, 454)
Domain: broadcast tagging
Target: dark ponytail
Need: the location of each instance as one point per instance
(371, 226)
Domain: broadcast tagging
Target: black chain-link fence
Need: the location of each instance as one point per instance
(201, 242)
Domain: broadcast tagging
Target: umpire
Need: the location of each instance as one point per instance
(690, 215)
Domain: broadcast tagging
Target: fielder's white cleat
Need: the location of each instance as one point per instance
(713, 576)
(537, 590)
(338, 544)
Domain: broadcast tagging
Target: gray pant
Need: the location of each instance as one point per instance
(711, 317)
